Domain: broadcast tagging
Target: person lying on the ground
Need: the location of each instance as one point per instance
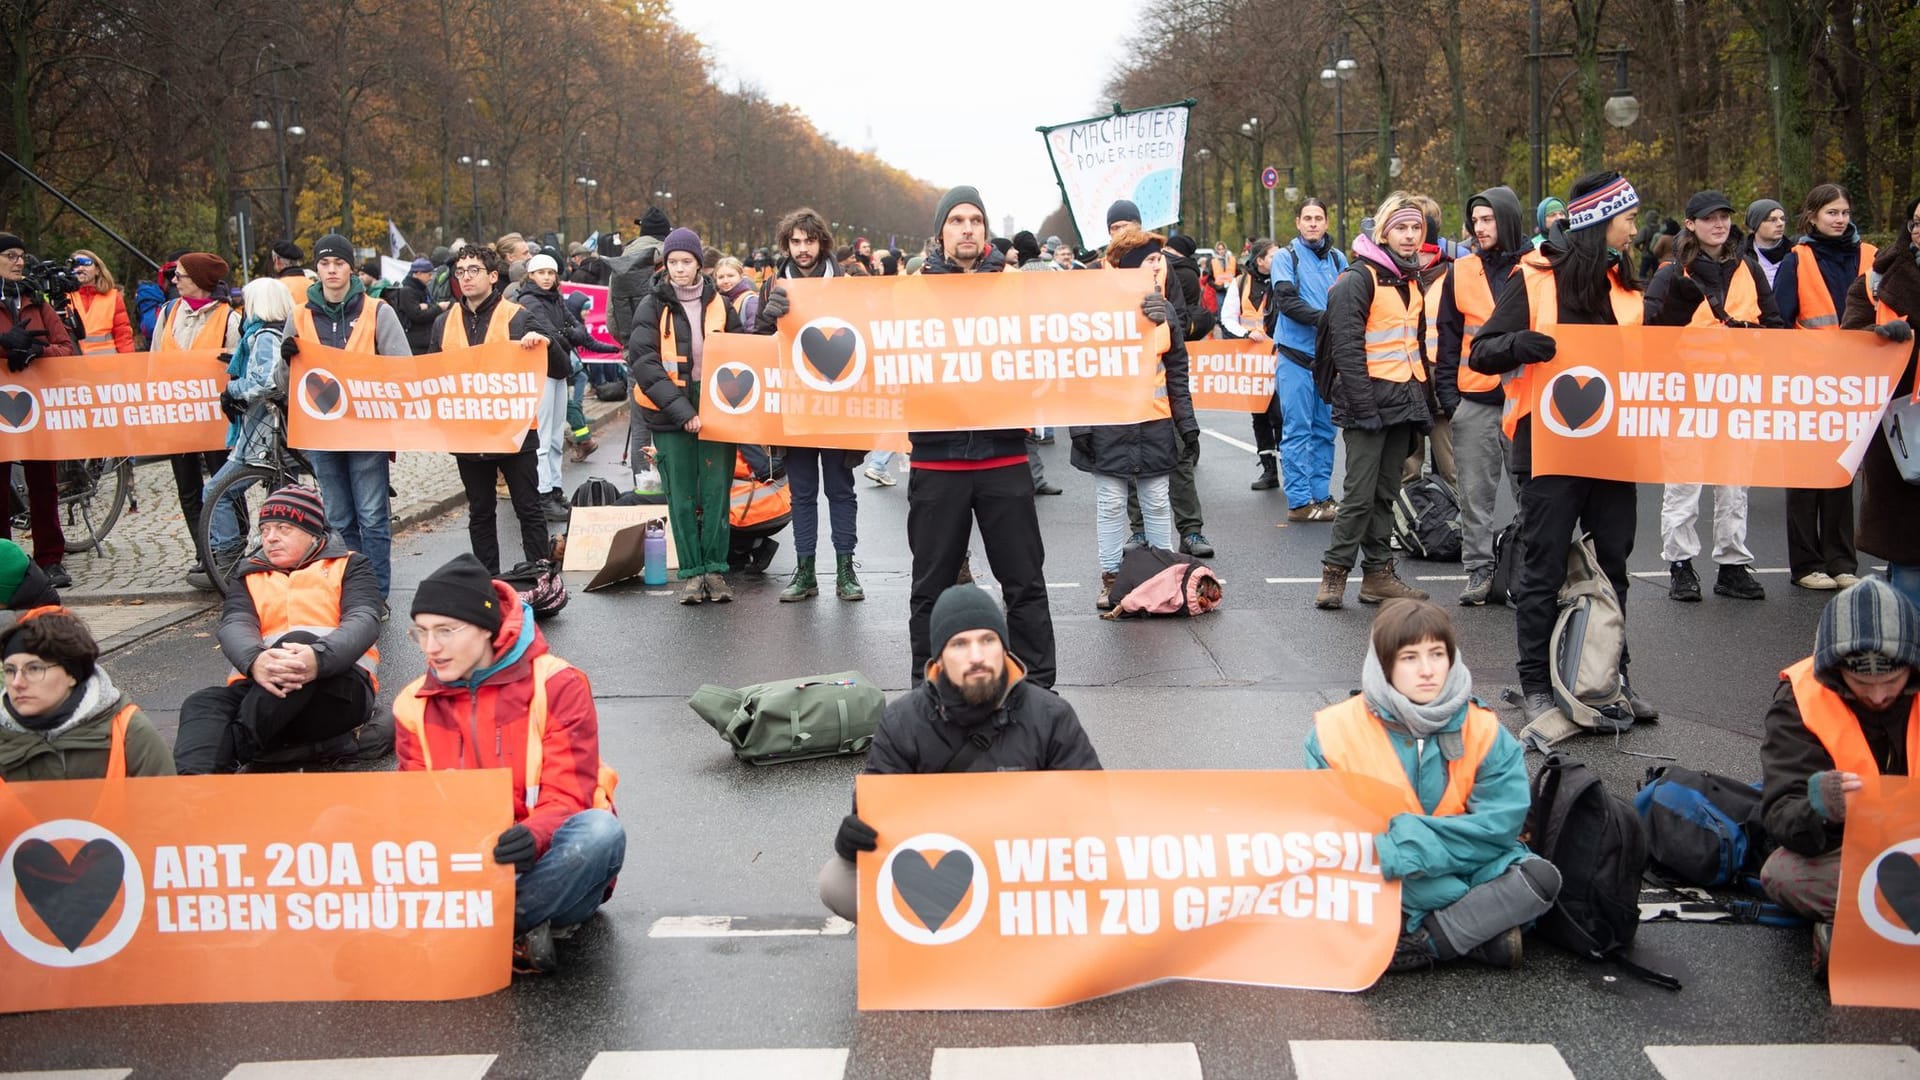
(492, 694)
(61, 717)
(975, 712)
(1468, 887)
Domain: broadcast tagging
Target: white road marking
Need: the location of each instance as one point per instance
(1293, 581)
(1442, 577)
(717, 1065)
(1063, 584)
(1231, 441)
(448, 1067)
(1824, 1062)
(70, 1074)
(712, 926)
(1105, 1061)
(1338, 1059)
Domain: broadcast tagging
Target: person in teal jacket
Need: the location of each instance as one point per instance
(1468, 887)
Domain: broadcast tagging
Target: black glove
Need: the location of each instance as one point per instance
(1742, 324)
(854, 837)
(1154, 307)
(776, 305)
(1685, 295)
(1897, 330)
(1367, 423)
(225, 358)
(22, 346)
(1191, 438)
(1534, 347)
(1083, 446)
(289, 348)
(235, 407)
(516, 847)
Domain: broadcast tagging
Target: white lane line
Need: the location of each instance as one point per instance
(447, 1067)
(1339, 1059)
(69, 1074)
(1063, 584)
(1106, 1061)
(1231, 441)
(713, 926)
(1442, 577)
(1293, 581)
(1804, 1062)
(717, 1065)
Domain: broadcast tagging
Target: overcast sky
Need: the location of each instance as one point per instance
(963, 101)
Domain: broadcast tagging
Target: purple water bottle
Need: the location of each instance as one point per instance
(654, 548)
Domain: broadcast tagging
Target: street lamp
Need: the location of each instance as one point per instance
(1340, 71)
(284, 122)
(1622, 108)
(474, 164)
(588, 184)
(1201, 155)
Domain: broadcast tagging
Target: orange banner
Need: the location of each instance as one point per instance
(967, 351)
(1235, 374)
(1876, 929)
(113, 405)
(1031, 890)
(294, 887)
(477, 400)
(744, 395)
(1710, 405)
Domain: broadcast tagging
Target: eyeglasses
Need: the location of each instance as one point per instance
(1912, 225)
(440, 635)
(32, 673)
(469, 271)
(14, 256)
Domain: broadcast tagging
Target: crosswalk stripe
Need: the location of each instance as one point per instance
(1103, 1061)
(70, 1074)
(446, 1067)
(717, 1065)
(1830, 1062)
(1343, 1059)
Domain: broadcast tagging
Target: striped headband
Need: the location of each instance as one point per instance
(1405, 213)
(1601, 204)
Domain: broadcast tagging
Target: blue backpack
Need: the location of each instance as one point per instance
(1702, 828)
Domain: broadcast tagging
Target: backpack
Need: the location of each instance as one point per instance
(540, 587)
(611, 390)
(1154, 581)
(1597, 843)
(1583, 655)
(794, 719)
(1325, 374)
(598, 491)
(1426, 519)
(1702, 828)
(1506, 563)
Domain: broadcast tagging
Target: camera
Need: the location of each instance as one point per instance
(51, 280)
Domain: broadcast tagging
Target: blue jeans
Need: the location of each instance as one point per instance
(881, 460)
(226, 529)
(1905, 581)
(566, 885)
(353, 484)
(1110, 515)
(807, 467)
(1306, 435)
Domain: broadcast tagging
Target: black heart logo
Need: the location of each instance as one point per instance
(322, 391)
(734, 385)
(15, 407)
(932, 892)
(828, 353)
(70, 895)
(1578, 402)
(1900, 884)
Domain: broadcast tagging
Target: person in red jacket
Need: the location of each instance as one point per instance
(494, 697)
(30, 330)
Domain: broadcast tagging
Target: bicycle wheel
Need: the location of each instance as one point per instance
(221, 565)
(92, 494)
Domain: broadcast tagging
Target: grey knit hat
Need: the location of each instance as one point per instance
(1869, 628)
(1757, 212)
(964, 195)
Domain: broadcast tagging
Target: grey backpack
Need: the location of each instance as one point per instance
(1584, 655)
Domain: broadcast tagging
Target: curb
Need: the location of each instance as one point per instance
(152, 626)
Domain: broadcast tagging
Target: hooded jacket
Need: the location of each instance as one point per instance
(998, 443)
(1839, 260)
(480, 722)
(1358, 398)
(1181, 272)
(1889, 506)
(673, 407)
(1711, 275)
(628, 278)
(79, 748)
(416, 311)
(239, 632)
(1034, 729)
(1510, 242)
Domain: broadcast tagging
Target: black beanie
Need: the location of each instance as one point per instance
(1027, 246)
(462, 589)
(964, 195)
(8, 242)
(1184, 245)
(654, 223)
(1123, 210)
(962, 608)
(298, 506)
(333, 246)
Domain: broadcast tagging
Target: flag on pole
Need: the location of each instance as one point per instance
(593, 242)
(394, 239)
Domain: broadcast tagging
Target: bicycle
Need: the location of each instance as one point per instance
(93, 492)
(275, 466)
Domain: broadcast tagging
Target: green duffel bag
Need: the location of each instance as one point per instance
(794, 719)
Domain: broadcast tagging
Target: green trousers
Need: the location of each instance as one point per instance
(699, 478)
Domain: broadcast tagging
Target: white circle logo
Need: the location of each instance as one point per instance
(19, 409)
(829, 354)
(70, 894)
(933, 889)
(1576, 403)
(321, 396)
(734, 387)
(1871, 889)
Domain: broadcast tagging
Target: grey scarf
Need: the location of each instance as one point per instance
(1420, 721)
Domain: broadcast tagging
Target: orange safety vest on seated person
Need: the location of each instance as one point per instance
(1543, 307)
(1742, 302)
(1827, 715)
(713, 321)
(211, 335)
(1353, 740)
(1393, 332)
(1816, 303)
(499, 325)
(360, 339)
(97, 310)
(1473, 299)
(756, 502)
(304, 599)
(410, 712)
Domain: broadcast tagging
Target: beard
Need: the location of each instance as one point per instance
(982, 691)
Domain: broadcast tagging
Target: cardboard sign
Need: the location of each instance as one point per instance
(293, 887)
(594, 316)
(477, 400)
(963, 351)
(1235, 374)
(1031, 890)
(591, 529)
(1128, 155)
(1710, 405)
(113, 405)
(1876, 929)
(745, 395)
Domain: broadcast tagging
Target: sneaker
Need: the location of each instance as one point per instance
(880, 476)
(1682, 583)
(693, 590)
(1845, 581)
(1479, 587)
(1138, 539)
(1413, 952)
(1537, 704)
(717, 588)
(1642, 708)
(1817, 580)
(533, 952)
(554, 506)
(57, 576)
(1739, 583)
(1332, 507)
(1044, 488)
(1312, 512)
(198, 577)
(1195, 544)
(1822, 947)
(584, 449)
(1500, 951)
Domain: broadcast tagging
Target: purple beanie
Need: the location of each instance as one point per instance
(682, 239)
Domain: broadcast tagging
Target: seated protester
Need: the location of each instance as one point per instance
(758, 508)
(489, 680)
(1468, 886)
(299, 627)
(974, 687)
(23, 585)
(61, 717)
(1845, 714)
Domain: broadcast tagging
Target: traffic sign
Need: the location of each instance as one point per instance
(1270, 177)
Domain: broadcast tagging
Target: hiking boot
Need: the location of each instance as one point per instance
(1822, 948)
(1818, 581)
(1683, 584)
(1413, 952)
(533, 952)
(1500, 951)
(1311, 512)
(1269, 477)
(718, 590)
(1479, 587)
(1195, 544)
(846, 584)
(584, 449)
(965, 576)
(1845, 581)
(801, 585)
(1537, 704)
(1739, 583)
(762, 556)
(1380, 584)
(693, 590)
(1104, 602)
(554, 505)
(1333, 587)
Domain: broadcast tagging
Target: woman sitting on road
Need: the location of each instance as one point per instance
(1468, 887)
(61, 717)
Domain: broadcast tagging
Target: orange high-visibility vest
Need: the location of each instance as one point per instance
(1827, 715)
(1353, 740)
(755, 502)
(360, 339)
(304, 599)
(1393, 332)
(1543, 304)
(117, 743)
(1816, 303)
(1473, 299)
(1742, 302)
(410, 713)
(1430, 302)
(499, 325)
(211, 335)
(713, 321)
(97, 311)
(1882, 314)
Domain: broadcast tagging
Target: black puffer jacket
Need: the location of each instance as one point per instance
(1034, 730)
(568, 334)
(1712, 275)
(416, 310)
(673, 405)
(1151, 447)
(1184, 277)
(1358, 398)
(1889, 505)
(965, 445)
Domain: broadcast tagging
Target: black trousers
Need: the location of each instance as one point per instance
(222, 727)
(1820, 531)
(522, 471)
(1266, 427)
(190, 473)
(1551, 508)
(941, 509)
